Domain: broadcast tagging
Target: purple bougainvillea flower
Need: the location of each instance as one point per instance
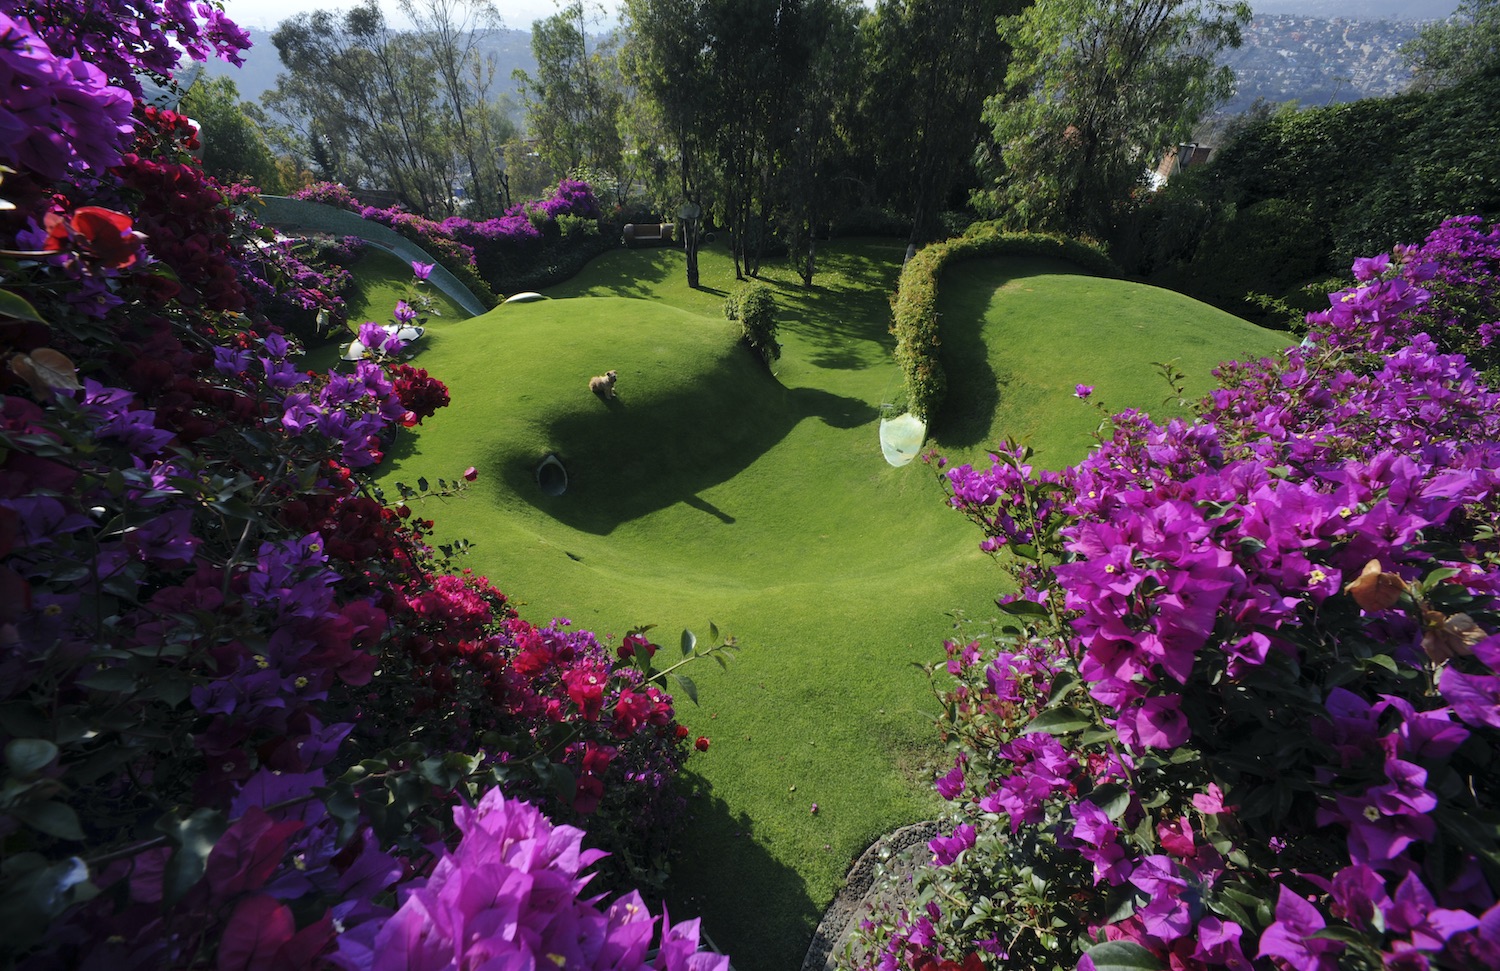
(946, 849)
(421, 270)
(950, 785)
(1082, 391)
(1291, 938)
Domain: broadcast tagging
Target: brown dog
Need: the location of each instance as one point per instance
(603, 385)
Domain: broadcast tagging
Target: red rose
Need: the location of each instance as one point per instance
(701, 744)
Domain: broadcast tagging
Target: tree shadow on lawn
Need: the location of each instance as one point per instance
(849, 327)
(636, 272)
(754, 908)
(635, 459)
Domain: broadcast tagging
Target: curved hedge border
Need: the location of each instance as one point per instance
(918, 343)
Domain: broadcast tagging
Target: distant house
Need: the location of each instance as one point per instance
(1176, 159)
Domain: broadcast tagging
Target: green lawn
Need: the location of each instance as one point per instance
(713, 490)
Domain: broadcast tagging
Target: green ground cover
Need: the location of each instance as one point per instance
(713, 490)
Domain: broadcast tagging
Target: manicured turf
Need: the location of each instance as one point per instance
(713, 490)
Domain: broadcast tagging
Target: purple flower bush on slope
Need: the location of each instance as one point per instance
(243, 703)
(1244, 710)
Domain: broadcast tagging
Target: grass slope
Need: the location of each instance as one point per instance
(1019, 335)
(715, 491)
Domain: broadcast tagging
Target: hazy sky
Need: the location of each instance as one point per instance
(517, 14)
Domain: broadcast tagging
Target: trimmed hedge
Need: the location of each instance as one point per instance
(918, 340)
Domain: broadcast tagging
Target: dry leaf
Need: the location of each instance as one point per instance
(1445, 637)
(1374, 589)
(46, 370)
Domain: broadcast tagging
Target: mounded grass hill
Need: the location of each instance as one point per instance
(712, 490)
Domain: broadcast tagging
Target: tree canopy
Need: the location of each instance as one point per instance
(1466, 44)
(1096, 90)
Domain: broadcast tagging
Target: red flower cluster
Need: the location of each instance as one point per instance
(165, 132)
(420, 393)
(183, 212)
(107, 236)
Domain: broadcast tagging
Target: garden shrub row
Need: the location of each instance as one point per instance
(918, 337)
(1293, 197)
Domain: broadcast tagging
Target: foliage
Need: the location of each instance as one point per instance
(574, 104)
(918, 336)
(525, 244)
(234, 150)
(1362, 172)
(407, 111)
(244, 700)
(754, 308)
(931, 66)
(1452, 51)
(1241, 708)
(1097, 90)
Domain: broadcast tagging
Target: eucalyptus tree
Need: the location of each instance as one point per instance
(815, 124)
(719, 74)
(1095, 92)
(407, 111)
(664, 59)
(452, 34)
(575, 102)
(931, 65)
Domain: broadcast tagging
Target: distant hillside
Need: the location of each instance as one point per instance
(1409, 10)
(511, 48)
(1318, 61)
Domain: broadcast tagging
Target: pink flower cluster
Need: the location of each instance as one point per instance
(509, 895)
(1253, 656)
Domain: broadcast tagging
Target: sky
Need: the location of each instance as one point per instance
(517, 14)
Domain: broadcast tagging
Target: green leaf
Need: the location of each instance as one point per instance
(1122, 956)
(28, 756)
(564, 783)
(1059, 721)
(689, 642)
(53, 818)
(12, 305)
(1023, 608)
(1065, 682)
(110, 679)
(1112, 799)
(1346, 934)
(193, 839)
(688, 686)
(713, 632)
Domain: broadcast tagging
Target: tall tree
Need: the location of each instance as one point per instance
(932, 64)
(1096, 91)
(720, 72)
(452, 34)
(401, 110)
(814, 122)
(234, 149)
(1466, 44)
(574, 104)
(665, 60)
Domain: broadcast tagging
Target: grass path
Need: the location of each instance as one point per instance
(714, 491)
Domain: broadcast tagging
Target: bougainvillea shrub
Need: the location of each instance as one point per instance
(1244, 707)
(248, 715)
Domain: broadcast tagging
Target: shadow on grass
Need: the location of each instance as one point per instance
(746, 898)
(625, 273)
(633, 460)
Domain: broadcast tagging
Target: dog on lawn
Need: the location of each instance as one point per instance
(603, 385)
